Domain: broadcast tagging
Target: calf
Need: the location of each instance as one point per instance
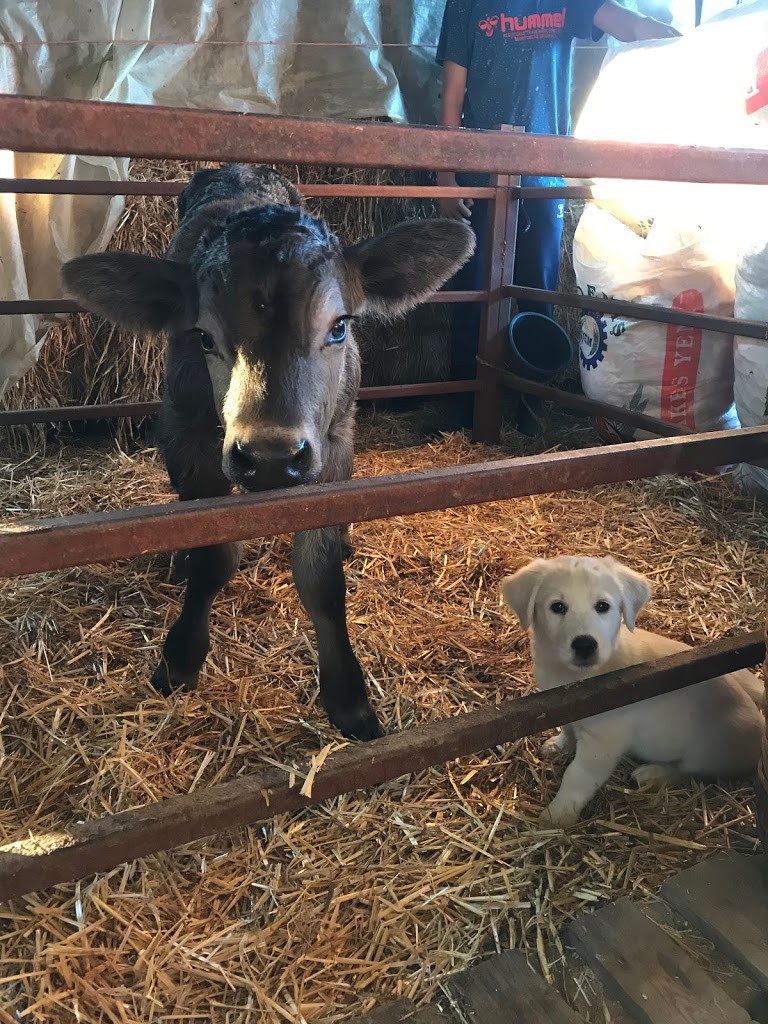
(258, 298)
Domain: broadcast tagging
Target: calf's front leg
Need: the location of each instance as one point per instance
(208, 570)
(319, 577)
(193, 458)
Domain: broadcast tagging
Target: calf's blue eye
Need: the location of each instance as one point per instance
(338, 332)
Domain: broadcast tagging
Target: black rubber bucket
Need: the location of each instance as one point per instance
(538, 347)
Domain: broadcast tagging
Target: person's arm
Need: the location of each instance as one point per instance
(629, 26)
(454, 87)
(454, 54)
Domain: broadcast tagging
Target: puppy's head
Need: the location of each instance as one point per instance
(574, 606)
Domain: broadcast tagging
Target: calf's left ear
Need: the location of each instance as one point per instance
(404, 266)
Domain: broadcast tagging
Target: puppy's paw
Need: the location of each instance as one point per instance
(554, 748)
(655, 774)
(558, 817)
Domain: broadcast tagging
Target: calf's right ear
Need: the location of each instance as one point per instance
(141, 293)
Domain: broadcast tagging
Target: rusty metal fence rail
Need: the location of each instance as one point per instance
(31, 125)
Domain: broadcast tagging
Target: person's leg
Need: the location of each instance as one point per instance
(537, 265)
(537, 255)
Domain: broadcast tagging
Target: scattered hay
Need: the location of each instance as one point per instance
(315, 915)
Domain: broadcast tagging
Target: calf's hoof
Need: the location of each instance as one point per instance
(360, 723)
(166, 679)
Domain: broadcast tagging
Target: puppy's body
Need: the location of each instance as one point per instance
(709, 730)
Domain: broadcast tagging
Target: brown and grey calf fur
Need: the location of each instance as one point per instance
(262, 373)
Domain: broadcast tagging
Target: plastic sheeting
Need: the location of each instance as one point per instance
(316, 58)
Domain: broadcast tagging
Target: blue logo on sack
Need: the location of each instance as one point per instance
(593, 340)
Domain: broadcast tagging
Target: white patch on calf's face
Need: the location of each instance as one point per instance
(244, 395)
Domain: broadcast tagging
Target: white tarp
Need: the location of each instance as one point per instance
(316, 58)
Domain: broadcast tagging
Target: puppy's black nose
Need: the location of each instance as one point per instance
(584, 646)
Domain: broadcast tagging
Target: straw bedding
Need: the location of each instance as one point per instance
(314, 916)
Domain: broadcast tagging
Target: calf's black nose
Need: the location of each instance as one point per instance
(584, 646)
(270, 464)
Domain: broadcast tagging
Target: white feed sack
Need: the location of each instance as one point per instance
(706, 88)
(750, 356)
(671, 243)
(678, 374)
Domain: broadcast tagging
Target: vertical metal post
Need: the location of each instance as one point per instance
(761, 780)
(499, 267)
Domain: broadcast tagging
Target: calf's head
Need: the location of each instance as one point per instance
(266, 296)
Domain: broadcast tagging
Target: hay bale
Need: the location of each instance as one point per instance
(86, 361)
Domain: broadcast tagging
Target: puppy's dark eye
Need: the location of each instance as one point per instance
(207, 344)
(602, 607)
(558, 608)
(338, 332)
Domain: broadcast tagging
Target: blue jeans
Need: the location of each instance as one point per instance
(537, 265)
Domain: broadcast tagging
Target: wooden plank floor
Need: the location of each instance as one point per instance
(654, 978)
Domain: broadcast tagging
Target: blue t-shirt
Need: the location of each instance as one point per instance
(518, 59)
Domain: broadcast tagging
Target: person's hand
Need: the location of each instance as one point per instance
(649, 28)
(453, 207)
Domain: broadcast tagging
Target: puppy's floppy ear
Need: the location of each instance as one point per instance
(519, 591)
(635, 591)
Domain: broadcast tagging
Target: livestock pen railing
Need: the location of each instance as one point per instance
(44, 126)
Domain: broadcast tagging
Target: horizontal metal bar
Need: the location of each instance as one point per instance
(95, 187)
(551, 191)
(103, 843)
(31, 546)
(34, 125)
(138, 410)
(78, 413)
(24, 307)
(641, 311)
(635, 310)
(590, 406)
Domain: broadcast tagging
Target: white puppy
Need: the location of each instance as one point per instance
(573, 608)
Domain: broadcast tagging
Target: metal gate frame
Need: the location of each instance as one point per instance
(55, 126)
